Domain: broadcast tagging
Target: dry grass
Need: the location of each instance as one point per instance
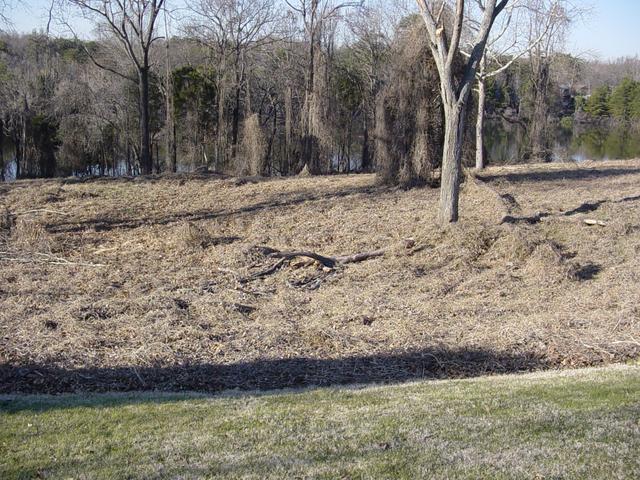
(168, 310)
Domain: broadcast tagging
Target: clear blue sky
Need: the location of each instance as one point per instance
(611, 30)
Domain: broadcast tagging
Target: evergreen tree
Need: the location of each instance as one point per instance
(621, 99)
(634, 109)
(598, 103)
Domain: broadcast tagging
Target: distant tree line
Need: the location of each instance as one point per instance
(622, 102)
(257, 88)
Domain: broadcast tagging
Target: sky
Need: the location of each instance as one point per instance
(611, 30)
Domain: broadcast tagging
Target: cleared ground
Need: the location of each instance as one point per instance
(569, 425)
(120, 284)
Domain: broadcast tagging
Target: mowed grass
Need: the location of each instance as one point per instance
(572, 424)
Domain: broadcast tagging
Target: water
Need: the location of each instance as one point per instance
(506, 143)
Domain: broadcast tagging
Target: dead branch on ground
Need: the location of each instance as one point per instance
(325, 261)
(42, 258)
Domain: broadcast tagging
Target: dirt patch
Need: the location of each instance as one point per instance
(157, 283)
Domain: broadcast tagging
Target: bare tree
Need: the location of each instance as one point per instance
(445, 46)
(554, 17)
(510, 41)
(232, 29)
(132, 23)
(170, 123)
(4, 20)
(314, 15)
(371, 46)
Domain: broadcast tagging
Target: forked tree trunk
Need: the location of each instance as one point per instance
(451, 158)
(482, 95)
(455, 94)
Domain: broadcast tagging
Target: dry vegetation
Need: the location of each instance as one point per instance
(152, 283)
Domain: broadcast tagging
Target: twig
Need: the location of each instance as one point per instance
(42, 210)
(596, 347)
(46, 259)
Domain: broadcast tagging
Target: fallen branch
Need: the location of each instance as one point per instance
(325, 261)
(42, 210)
(263, 273)
(565, 219)
(43, 258)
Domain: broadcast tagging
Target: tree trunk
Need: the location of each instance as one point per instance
(310, 145)
(22, 161)
(128, 152)
(288, 117)
(451, 158)
(482, 95)
(365, 162)
(170, 127)
(221, 134)
(268, 161)
(18, 157)
(347, 168)
(1, 151)
(172, 151)
(235, 120)
(538, 129)
(146, 162)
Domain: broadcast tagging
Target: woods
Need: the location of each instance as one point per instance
(270, 87)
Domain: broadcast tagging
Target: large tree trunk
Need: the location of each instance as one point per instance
(311, 108)
(146, 162)
(482, 95)
(451, 159)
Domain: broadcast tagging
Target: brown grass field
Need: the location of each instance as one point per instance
(152, 283)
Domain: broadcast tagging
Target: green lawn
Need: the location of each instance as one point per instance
(575, 424)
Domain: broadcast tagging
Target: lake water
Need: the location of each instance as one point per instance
(506, 143)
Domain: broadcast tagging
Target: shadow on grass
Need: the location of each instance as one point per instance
(105, 224)
(561, 174)
(267, 374)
